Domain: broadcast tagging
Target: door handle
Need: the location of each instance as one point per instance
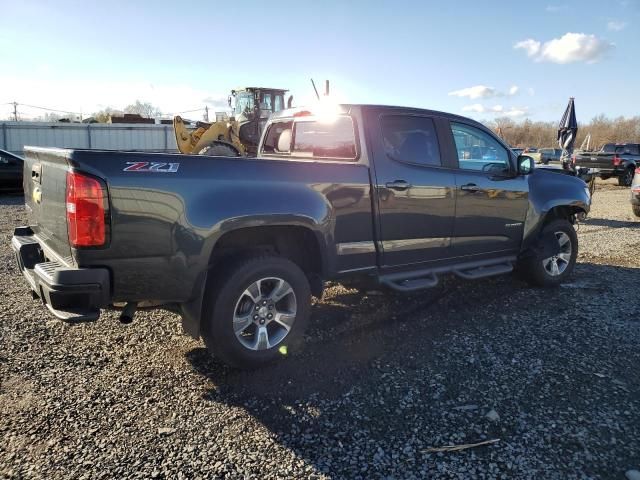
(398, 185)
(470, 187)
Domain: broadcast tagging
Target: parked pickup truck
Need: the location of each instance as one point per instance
(612, 161)
(393, 196)
(547, 156)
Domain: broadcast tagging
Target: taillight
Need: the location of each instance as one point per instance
(617, 160)
(86, 200)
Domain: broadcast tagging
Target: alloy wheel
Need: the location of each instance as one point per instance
(265, 313)
(558, 263)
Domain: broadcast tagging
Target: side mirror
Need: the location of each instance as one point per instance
(229, 100)
(525, 165)
(290, 101)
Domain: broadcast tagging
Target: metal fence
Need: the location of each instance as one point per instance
(100, 136)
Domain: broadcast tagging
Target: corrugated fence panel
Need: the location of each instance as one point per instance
(15, 135)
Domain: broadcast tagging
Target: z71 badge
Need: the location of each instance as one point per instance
(157, 167)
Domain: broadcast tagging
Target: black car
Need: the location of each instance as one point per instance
(11, 167)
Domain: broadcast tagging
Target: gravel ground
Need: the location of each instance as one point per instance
(551, 374)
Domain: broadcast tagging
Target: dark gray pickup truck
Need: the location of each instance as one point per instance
(614, 160)
(392, 196)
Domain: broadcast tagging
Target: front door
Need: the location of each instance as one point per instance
(491, 202)
(415, 189)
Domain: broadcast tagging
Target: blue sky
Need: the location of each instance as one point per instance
(86, 55)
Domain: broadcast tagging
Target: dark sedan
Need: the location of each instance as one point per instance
(10, 171)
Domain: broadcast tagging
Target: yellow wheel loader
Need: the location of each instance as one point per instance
(239, 136)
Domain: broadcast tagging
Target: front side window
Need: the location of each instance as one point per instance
(411, 139)
(477, 150)
(244, 103)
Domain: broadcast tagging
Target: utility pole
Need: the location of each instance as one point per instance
(15, 111)
(206, 113)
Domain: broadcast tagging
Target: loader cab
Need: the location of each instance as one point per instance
(251, 110)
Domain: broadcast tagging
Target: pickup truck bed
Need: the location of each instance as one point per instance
(384, 195)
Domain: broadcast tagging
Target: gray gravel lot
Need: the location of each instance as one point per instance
(552, 374)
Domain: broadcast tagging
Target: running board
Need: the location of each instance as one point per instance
(412, 281)
(481, 272)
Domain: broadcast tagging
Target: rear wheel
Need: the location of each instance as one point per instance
(636, 210)
(256, 309)
(626, 178)
(550, 271)
(219, 149)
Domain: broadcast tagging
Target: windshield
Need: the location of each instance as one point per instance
(244, 103)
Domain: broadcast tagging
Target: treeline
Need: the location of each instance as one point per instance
(544, 134)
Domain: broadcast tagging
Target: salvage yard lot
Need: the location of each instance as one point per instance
(382, 379)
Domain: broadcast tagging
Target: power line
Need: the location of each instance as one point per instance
(49, 109)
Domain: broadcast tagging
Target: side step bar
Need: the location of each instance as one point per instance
(412, 281)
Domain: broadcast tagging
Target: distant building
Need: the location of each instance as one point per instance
(130, 118)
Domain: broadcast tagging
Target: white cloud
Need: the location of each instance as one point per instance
(515, 112)
(555, 8)
(616, 26)
(482, 91)
(495, 110)
(571, 47)
(476, 108)
(478, 91)
(531, 46)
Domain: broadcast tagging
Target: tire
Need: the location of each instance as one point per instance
(626, 178)
(636, 210)
(227, 302)
(219, 150)
(539, 271)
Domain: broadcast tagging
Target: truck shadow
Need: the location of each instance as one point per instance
(11, 198)
(304, 396)
(605, 222)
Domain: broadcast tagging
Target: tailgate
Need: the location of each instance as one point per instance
(45, 171)
(595, 160)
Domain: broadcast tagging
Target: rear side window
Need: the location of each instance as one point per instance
(411, 139)
(629, 149)
(334, 139)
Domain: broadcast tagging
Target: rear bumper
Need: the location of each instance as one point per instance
(610, 171)
(71, 294)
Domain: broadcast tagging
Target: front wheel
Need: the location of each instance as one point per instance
(256, 309)
(552, 270)
(636, 210)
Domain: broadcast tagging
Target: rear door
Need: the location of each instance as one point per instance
(415, 187)
(491, 203)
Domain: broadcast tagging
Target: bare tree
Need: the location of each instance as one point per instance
(144, 109)
(544, 134)
(103, 115)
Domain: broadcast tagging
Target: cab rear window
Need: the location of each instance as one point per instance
(332, 139)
